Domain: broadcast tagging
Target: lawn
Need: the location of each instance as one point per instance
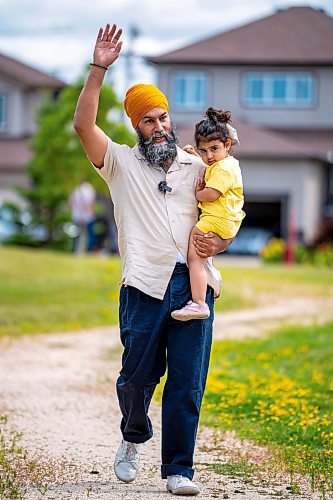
(278, 391)
(43, 291)
(246, 287)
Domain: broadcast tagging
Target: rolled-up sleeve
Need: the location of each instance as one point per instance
(219, 179)
(113, 160)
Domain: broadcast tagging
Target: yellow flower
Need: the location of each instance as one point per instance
(317, 376)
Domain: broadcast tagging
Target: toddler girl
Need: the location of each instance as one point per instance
(221, 200)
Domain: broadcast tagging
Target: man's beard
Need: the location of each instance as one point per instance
(159, 153)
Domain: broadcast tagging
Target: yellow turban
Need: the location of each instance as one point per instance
(141, 98)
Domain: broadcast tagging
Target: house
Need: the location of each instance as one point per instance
(22, 90)
(276, 76)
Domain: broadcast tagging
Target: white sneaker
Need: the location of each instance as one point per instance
(181, 485)
(191, 310)
(127, 461)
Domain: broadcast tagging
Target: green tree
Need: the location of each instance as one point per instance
(59, 163)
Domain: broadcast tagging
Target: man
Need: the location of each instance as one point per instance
(153, 191)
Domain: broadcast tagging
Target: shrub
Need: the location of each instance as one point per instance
(274, 250)
(323, 255)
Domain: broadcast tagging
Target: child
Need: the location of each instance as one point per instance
(220, 197)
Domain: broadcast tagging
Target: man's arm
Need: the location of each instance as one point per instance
(93, 139)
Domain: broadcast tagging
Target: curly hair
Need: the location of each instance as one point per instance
(213, 127)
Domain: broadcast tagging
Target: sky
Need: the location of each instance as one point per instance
(58, 36)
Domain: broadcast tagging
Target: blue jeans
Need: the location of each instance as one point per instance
(153, 340)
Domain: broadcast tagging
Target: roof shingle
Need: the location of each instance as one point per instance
(298, 35)
(258, 142)
(28, 76)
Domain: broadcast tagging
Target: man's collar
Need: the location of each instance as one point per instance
(137, 153)
(183, 157)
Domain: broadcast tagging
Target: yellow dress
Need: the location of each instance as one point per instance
(224, 215)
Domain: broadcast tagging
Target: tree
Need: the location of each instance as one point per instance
(59, 163)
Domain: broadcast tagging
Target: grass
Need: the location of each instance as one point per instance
(9, 452)
(17, 469)
(250, 287)
(44, 291)
(277, 391)
(241, 468)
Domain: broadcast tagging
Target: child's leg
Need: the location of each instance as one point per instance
(226, 243)
(198, 275)
(197, 308)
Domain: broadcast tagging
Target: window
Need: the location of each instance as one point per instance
(279, 89)
(189, 89)
(3, 111)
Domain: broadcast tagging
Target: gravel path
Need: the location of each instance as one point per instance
(58, 390)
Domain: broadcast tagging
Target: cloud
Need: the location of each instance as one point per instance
(58, 37)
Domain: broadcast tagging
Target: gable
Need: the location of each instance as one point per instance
(23, 74)
(297, 36)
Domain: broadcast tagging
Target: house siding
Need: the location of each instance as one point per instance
(302, 182)
(22, 107)
(225, 90)
(25, 89)
(320, 115)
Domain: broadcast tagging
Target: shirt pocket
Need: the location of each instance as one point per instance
(186, 194)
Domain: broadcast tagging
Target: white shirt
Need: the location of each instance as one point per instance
(153, 227)
(82, 203)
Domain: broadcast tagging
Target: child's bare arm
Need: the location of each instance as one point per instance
(190, 149)
(207, 194)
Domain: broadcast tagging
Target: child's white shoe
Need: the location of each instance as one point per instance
(192, 310)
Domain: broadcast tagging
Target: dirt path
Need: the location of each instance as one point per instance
(255, 322)
(58, 390)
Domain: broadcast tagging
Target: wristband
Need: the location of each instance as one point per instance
(98, 66)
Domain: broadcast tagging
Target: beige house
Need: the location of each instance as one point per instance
(22, 90)
(276, 76)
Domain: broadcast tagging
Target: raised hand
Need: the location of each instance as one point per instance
(107, 46)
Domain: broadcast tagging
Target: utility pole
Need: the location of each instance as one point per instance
(134, 33)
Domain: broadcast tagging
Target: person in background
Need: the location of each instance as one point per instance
(82, 205)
